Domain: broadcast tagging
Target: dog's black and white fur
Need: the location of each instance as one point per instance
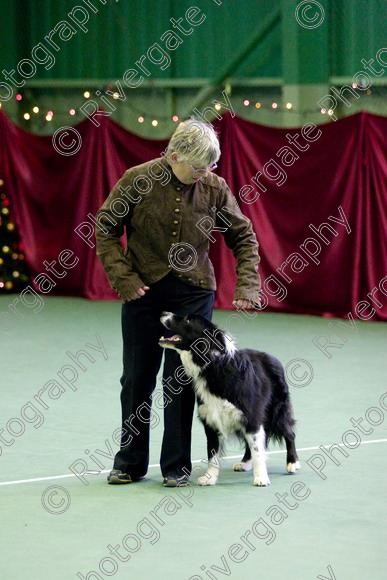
(241, 392)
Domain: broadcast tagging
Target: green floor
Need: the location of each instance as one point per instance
(335, 530)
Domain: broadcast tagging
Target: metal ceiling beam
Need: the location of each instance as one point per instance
(266, 27)
(183, 83)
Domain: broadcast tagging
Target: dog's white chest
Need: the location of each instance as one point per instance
(220, 414)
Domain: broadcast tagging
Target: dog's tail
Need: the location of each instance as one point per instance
(280, 422)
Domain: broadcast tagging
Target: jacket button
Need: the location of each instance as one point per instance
(178, 199)
(189, 279)
(174, 233)
(178, 188)
(177, 210)
(201, 281)
(175, 221)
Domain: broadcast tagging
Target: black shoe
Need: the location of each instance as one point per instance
(174, 480)
(116, 476)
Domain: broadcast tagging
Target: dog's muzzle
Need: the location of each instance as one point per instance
(166, 319)
(170, 341)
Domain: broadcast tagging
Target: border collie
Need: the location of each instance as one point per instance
(239, 392)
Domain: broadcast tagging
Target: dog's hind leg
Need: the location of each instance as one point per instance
(257, 445)
(246, 464)
(292, 463)
(213, 452)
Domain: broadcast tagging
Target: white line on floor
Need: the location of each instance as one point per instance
(64, 476)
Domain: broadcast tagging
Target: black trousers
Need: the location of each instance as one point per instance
(141, 330)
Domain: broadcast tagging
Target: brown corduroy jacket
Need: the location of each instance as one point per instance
(168, 228)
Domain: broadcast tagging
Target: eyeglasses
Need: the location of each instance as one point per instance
(203, 169)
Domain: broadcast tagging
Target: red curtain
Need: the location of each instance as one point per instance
(333, 174)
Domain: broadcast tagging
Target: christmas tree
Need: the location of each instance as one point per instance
(14, 275)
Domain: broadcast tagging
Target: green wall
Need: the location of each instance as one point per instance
(120, 32)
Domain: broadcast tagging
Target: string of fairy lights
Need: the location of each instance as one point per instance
(143, 117)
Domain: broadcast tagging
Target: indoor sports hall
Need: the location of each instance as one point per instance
(215, 160)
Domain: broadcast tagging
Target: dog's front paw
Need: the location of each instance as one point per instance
(261, 481)
(206, 480)
(292, 467)
(243, 466)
